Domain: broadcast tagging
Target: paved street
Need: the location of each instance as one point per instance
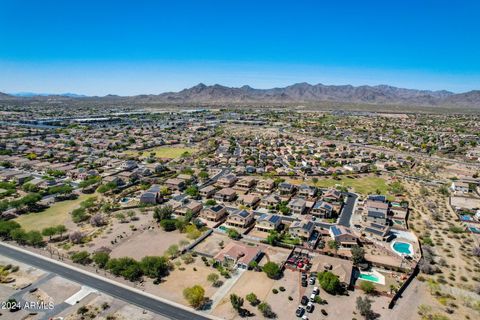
(347, 210)
(118, 291)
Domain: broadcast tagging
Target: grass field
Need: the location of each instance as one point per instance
(56, 214)
(362, 185)
(164, 152)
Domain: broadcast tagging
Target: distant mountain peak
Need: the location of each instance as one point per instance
(301, 92)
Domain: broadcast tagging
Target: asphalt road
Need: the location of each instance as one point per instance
(132, 297)
(347, 210)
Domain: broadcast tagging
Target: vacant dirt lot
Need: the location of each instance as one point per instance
(250, 281)
(148, 243)
(211, 245)
(182, 277)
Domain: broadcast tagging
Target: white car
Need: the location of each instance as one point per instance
(305, 317)
(316, 290)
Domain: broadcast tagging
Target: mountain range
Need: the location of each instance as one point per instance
(296, 93)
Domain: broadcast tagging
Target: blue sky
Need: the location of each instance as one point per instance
(132, 47)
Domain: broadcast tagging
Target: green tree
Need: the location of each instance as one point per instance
(329, 282)
(272, 270)
(195, 296)
(82, 257)
(252, 298)
(34, 238)
(133, 272)
(61, 229)
(273, 237)
(213, 278)
(358, 254)
(79, 215)
(233, 234)
(203, 175)
(155, 267)
(28, 187)
(266, 310)
(237, 302)
(172, 251)
(49, 232)
(168, 224)
(126, 267)
(192, 191)
(163, 213)
(367, 287)
(6, 228)
(19, 235)
(210, 202)
(101, 259)
(180, 224)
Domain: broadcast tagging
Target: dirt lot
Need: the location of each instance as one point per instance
(438, 227)
(25, 274)
(211, 245)
(172, 287)
(337, 307)
(250, 281)
(274, 254)
(258, 234)
(148, 243)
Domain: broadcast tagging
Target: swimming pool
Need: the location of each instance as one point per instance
(223, 229)
(402, 248)
(474, 229)
(368, 277)
(373, 276)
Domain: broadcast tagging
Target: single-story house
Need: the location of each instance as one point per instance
(238, 255)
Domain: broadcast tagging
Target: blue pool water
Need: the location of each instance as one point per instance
(368, 277)
(223, 229)
(474, 229)
(402, 247)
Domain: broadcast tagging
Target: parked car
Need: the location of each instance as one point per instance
(304, 283)
(304, 276)
(300, 311)
(312, 297)
(316, 290)
(309, 307)
(304, 300)
(311, 281)
(305, 317)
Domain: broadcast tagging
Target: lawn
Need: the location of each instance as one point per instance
(56, 214)
(164, 152)
(362, 185)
